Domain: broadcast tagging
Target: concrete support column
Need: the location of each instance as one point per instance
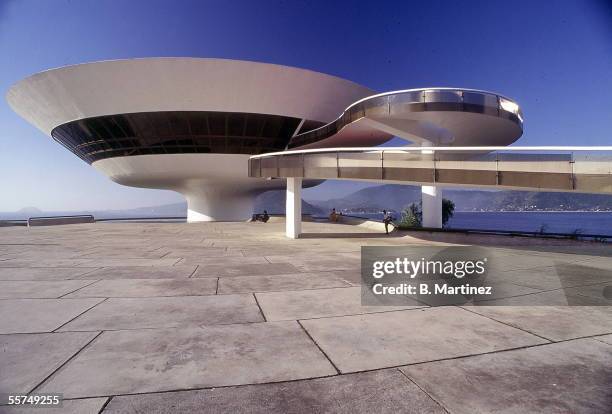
(294, 208)
(431, 199)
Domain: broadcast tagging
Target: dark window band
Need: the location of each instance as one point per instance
(144, 133)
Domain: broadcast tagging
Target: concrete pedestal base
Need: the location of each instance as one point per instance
(214, 205)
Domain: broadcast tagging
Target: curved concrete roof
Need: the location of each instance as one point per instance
(54, 97)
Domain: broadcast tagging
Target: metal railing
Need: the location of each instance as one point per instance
(55, 220)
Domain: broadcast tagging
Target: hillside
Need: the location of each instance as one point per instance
(396, 197)
(372, 199)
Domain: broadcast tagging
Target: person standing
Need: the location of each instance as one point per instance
(387, 219)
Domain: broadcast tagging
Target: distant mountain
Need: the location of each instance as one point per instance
(396, 197)
(167, 210)
(31, 211)
(371, 199)
(374, 199)
(274, 202)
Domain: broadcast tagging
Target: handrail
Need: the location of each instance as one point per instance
(433, 89)
(54, 220)
(55, 217)
(141, 218)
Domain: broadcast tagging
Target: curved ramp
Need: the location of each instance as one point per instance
(579, 169)
(430, 116)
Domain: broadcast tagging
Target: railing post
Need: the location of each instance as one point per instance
(496, 168)
(572, 175)
(278, 165)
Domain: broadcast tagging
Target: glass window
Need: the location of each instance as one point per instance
(102, 137)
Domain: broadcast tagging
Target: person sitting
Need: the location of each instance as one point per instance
(333, 216)
(261, 217)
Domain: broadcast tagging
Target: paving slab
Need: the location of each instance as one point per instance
(141, 272)
(568, 377)
(81, 406)
(509, 260)
(117, 288)
(27, 359)
(319, 303)
(167, 312)
(329, 265)
(561, 275)
(606, 338)
(31, 261)
(380, 340)
(205, 251)
(352, 276)
(40, 315)
(122, 252)
(126, 261)
(17, 289)
(386, 391)
(225, 261)
(241, 284)
(314, 256)
(556, 323)
(150, 360)
(600, 291)
(556, 297)
(227, 270)
(43, 273)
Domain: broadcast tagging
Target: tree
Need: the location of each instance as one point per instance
(448, 209)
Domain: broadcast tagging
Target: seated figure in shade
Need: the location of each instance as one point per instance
(261, 217)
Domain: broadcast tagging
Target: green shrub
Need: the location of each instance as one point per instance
(411, 217)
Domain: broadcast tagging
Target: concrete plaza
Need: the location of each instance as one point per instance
(234, 317)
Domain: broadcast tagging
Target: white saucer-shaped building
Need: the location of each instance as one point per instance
(190, 124)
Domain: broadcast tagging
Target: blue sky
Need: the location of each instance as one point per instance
(553, 57)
